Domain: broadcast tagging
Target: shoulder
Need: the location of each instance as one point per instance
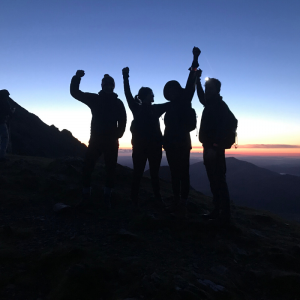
(91, 95)
(119, 103)
(223, 106)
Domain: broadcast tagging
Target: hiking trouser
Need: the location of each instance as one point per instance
(140, 155)
(179, 163)
(110, 152)
(3, 139)
(215, 164)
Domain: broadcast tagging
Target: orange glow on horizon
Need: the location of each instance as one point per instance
(258, 151)
(240, 151)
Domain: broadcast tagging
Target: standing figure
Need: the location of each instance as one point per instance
(146, 136)
(217, 133)
(107, 126)
(180, 119)
(5, 113)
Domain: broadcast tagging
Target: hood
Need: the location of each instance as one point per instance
(108, 95)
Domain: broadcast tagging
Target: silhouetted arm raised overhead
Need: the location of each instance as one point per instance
(130, 100)
(190, 85)
(200, 91)
(74, 88)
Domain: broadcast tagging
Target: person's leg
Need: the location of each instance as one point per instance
(224, 199)
(185, 173)
(110, 152)
(154, 157)
(172, 157)
(4, 140)
(139, 159)
(210, 162)
(91, 157)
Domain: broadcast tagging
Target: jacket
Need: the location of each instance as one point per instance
(180, 118)
(213, 127)
(108, 112)
(145, 127)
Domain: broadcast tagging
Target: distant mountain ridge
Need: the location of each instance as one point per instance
(250, 186)
(29, 135)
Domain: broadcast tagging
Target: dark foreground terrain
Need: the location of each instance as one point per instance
(119, 254)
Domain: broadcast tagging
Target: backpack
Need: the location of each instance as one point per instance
(189, 117)
(230, 131)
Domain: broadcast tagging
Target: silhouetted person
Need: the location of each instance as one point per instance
(146, 136)
(216, 134)
(108, 125)
(5, 113)
(179, 120)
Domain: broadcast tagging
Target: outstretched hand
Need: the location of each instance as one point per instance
(80, 73)
(196, 52)
(125, 72)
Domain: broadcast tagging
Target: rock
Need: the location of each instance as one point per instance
(212, 285)
(61, 207)
(127, 235)
(155, 278)
(257, 233)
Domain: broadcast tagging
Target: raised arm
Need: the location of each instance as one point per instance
(74, 87)
(200, 91)
(130, 100)
(190, 85)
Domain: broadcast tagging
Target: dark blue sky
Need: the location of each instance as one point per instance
(253, 47)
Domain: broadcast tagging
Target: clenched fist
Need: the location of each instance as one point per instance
(80, 73)
(125, 72)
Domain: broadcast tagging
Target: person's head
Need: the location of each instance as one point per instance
(212, 88)
(145, 95)
(108, 84)
(172, 90)
(4, 94)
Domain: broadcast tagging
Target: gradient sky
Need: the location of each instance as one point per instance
(252, 47)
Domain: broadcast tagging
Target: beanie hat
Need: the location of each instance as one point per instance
(108, 79)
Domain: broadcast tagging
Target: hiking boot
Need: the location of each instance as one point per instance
(214, 214)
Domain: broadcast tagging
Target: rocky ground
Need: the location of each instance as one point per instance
(121, 254)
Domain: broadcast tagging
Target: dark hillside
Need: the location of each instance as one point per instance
(118, 254)
(251, 186)
(31, 136)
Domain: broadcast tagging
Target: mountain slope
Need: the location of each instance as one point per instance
(120, 254)
(250, 186)
(31, 136)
